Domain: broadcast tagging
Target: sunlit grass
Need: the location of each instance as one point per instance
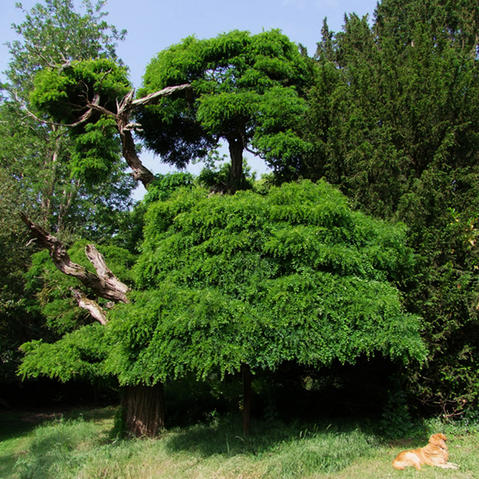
(84, 448)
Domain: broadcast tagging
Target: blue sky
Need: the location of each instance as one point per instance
(153, 25)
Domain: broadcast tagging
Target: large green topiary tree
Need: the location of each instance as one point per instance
(249, 281)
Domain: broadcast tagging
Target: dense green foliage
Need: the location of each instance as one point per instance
(64, 94)
(394, 117)
(165, 185)
(247, 90)
(79, 354)
(13, 304)
(260, 279)
(39, 172)
(292, 274)
(81, 346)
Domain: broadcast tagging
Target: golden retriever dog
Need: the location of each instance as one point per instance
(434, 454)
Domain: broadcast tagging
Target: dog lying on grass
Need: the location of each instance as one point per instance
(434, 454)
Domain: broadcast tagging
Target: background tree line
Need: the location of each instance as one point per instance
(386, 111)
(394, 120)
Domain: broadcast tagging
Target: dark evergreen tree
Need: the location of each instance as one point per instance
(398, 132)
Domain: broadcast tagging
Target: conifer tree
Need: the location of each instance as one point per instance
(398, 134)
(246, 89)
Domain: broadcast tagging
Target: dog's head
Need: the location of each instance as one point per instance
(438, 440)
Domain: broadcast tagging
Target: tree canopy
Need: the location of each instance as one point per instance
(64, 93)
(54, 33)
(246, 89)
(292, 274)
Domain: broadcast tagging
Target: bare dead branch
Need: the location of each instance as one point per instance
(91, 106)
(164, 92)
(133, 126)
(104, 272)
(126, 102)
(124, 108)
(139, 170)
(89, 305)
(104, 284)
(94, 105)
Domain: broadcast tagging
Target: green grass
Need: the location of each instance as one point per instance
(81, 446)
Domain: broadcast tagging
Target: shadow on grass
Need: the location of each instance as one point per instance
(52, 436)
(19, 423)
(16, 424)
(94, 414)
(286, 449)
(12, 428)
(294, 449)
(223, 435)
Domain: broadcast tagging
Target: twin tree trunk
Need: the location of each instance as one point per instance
(143, 406)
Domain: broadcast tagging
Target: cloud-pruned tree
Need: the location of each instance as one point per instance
(247, 90)
(250, 281)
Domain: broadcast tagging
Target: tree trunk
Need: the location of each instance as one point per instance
(246, 373)
(125, 108)
(144, 410)
(236, 178)
(139, 171)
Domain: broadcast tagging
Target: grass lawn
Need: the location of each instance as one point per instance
(81, 445)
